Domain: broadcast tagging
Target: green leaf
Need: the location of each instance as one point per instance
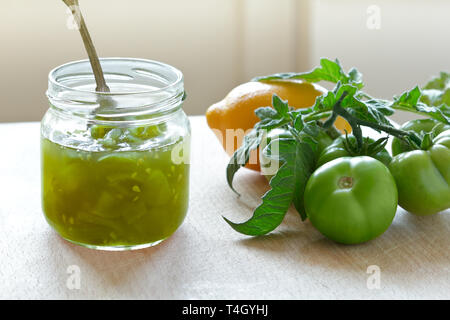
(410, 101)
(311, 129)
(437, 91)
(439, 83)
(376, 146)
(287, 186)
(381, 106)
(242, 155)
(270, 118)
(354, 76)
(427, 141)
(265, 113)
(281, 106)
(299, 124)
(277, 76)
(375, 111)
(330, 71)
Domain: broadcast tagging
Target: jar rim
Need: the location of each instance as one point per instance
(139, 87)
(52, 77)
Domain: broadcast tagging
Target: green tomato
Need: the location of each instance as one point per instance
(423, 177)
(351, 200)
(337, 150)
(426, 125)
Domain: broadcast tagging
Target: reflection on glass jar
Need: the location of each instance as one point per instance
(115, 166)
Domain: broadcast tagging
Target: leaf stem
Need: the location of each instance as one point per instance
(328, 123)
(318, 116)
(402, 108)
(356, 124)
(389, 130)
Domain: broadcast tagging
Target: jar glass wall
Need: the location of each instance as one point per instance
(115, 166)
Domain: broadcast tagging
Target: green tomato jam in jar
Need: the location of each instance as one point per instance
(115, 166)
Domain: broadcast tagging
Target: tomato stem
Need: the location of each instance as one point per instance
(356, 124)
(345, 183)
(318, 116)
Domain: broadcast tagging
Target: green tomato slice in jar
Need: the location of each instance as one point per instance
(113, 198)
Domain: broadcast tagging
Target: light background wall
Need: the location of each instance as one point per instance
(219, 44)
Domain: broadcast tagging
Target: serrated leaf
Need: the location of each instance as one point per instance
(299, 125)
(437, 92)
(439, 83)
(410, 97)
(329, 70)
(287, 186)
(375, 111)
(264, 113)
(355, 76)
(410, 101)
(270, 118)
(277, 76)
(281, 106)
(242, 155)
(383, 106)
(432, 97)
(312, 129)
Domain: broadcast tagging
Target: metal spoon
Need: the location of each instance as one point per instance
(89, 45)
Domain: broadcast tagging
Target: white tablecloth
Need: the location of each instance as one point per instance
(205, 258)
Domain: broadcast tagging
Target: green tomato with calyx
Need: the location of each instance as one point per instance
(418, 126)
(337, 150)
(351, 200)
(423, 177)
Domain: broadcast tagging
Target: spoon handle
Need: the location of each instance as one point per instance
(89, 45)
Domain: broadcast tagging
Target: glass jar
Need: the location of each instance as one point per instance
(115, 166)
